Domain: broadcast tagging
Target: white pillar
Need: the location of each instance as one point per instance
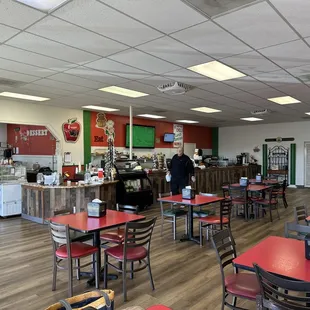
(130, 132)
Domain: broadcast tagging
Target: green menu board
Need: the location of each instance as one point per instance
(142, 136)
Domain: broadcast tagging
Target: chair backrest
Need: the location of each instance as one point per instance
(225, 211)
(238, 192)
(293, 230)
(283, 292)
(208, 194)
(225, 190)
(162, 195)
(224, 246)
(284, 185)
(300, 213)
(63, 212)
(127, 208)
(138, 234)
(60, 236)
(262, 304)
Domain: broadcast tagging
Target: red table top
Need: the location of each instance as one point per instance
(251, 187)
(281, 256)
(199, 200)
(81, 222)
(265, 181)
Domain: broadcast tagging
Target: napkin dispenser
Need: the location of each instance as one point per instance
(188, 193)
(244, 181)
(258, 178)
(307, 246)
(96, 208)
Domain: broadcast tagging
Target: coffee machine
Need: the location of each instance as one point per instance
(239, 160)
(243, 159)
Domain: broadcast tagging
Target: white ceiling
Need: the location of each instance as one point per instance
(69, 54)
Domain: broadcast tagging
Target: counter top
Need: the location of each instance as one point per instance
(41, 187)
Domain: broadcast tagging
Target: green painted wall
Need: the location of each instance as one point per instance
(215, 141)
(293, 164)
(87, 137)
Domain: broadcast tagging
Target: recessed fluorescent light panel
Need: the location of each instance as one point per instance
(251, 119)
(43, 5)
(187, 121)
(308, 113)
(22, 96)
(99, 108)
(217, 71)
(206, 110)
(284, 100)
(123, 91)
(151, 116)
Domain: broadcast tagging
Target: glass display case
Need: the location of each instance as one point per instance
(13, 174)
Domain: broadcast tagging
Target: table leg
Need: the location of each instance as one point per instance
(190, 231)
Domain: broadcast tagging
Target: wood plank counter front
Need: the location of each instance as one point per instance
(39, 202)
(208, 180)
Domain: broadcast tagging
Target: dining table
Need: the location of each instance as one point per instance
(266, 182)
(81, 222)
(281, 256)
(197, 201)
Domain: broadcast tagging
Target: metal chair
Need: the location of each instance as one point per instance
(203, 213)
(65, 250)
(225, 190)
(239, 197)
(263, 304)
(300, 214)
(117, 236)
(296, 231)
(171, 215)
(216, 223)
(136, 247)
(282, 292)
(270, 203)
(237, 285)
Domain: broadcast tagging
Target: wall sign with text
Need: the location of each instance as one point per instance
(178, 135)
(71, 130)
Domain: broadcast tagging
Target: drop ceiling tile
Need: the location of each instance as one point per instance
(106, 21)
(188, 77)
(116, 68)
(46, 47)
(16, 54)
(7, 32)
(159, 99)
(45, 89)
(5, 74)
(171, 50)
(258, 25)
(200, 93)
(296, 12)
(288, 55)
(134, 85)
(143, 61)
(220, 88)
(303, 73)
(66, 33)
(274, 78)
(246, 83)
(17, 15)
(71, 79)
(250, 63)
(299, 91)
(156, 80)
(243, 96)
(25, 69)
(95, 75)
(60, 85)
(211, 40)
(267, 92)
(158, 13)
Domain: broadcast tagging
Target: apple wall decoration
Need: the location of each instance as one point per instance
(71, 130)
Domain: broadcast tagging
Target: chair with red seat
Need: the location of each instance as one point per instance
(239, 197)
(65, 251)
(238, 285)
(215, 223)
(136, 247)
(282, 193)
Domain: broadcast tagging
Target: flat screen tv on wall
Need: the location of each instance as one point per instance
(142, 136)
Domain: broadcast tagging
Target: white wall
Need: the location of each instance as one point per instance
(16, 112)
(3, 132)
(234, 140)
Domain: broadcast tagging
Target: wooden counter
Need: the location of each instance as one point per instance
(40, 202)
(208, 180)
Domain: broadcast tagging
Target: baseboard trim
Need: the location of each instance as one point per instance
(292, 186)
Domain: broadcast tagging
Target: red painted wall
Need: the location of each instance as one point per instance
(30, 145)
(202, 136)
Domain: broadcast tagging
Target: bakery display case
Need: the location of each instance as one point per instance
(133, 186)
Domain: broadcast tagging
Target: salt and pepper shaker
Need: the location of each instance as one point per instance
(74, 210)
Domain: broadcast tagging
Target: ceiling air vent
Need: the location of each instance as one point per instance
(260, 112)
(10, 83)
(175, 88)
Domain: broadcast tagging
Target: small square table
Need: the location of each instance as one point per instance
(198, 201)
(281, 256)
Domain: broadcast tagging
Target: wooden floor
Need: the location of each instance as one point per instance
(186, 276)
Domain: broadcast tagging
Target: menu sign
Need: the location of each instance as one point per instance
(178, 135)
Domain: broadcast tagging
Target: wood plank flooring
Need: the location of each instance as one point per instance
(186, 276)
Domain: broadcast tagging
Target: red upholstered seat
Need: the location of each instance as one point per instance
(136, 253)
(116, 236)
(78, 249)
(236, 201)
(158, 307)
(213, 220)
(266, 201)
(242, 284)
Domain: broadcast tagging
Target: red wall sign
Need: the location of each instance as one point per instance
(71, 130)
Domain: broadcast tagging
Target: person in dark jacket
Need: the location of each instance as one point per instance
(181, 168)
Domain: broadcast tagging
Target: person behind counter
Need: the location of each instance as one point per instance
(181, 167)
